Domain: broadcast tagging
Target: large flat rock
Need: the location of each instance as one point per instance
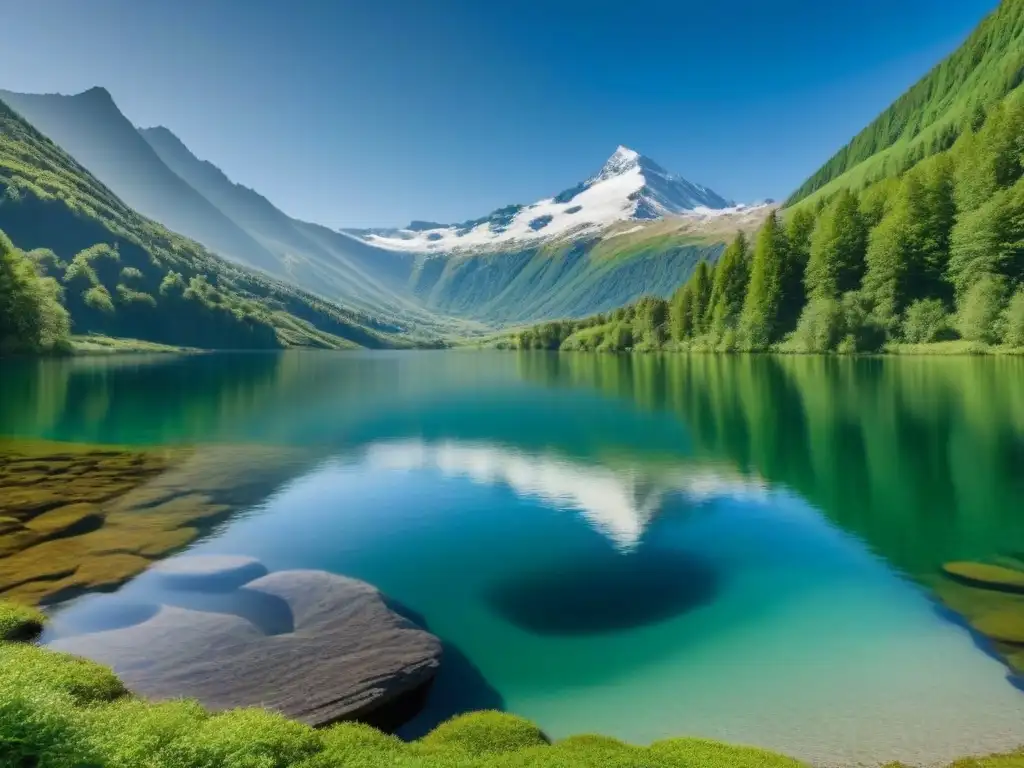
(349, 656)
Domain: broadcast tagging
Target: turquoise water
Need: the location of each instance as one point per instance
(730, 548)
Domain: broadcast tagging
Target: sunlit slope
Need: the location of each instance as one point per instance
(126, 275)
(927, 119)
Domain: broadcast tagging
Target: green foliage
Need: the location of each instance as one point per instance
(131, 273)
(837, 250)
(650, 321)
(837, 325)
(172, 282)
(1013, 320)
(701, 283)
(32, 318)
(98, 298)
(761, 322)
(20, 622)
(926, 321)
(820, 328)
(87, 239)
(681, 313)
(989, 240)
(126, 295)
(730, 287)
(979, 311)
(927, 119)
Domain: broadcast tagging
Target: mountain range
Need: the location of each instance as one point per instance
(592, 247)
(629, 186)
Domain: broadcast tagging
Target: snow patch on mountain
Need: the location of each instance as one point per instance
(629, 186)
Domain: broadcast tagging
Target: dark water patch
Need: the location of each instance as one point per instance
(459, 686)
(607, 594)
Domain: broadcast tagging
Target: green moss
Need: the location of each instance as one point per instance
(131, 732)
(484, 733)
(356, 746)
(242, 738)
(42, 727)
(19, 622)
(1005, 626)
(985, 575)
(85, 682)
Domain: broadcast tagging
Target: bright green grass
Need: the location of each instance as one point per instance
(19, 622)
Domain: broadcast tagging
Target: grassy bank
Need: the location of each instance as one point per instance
(57, 711)
(98, 344)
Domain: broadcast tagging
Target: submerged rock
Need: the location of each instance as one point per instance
(349, 656)
(985, 575)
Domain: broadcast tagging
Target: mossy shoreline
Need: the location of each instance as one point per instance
(58, 711)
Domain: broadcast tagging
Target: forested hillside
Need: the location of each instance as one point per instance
(953, 98)
(935, 254)
(121, 274)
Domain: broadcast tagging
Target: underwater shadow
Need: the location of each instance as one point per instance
(610, 593)
(459, 686)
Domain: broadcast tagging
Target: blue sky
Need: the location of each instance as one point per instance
(375, 112)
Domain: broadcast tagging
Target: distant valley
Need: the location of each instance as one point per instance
(630, 230)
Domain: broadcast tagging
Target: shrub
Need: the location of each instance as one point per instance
(19, 622)
(1013, 320)
(820, 327)
(98, 297)
(979, 310)
(482, 733)
(925, 321)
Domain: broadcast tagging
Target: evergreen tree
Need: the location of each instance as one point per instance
(989, 241)
(897, 255)
(730, 286)
(799, 227)
(702, 282)
(838, 249)
(762, 308)
(681, 313)
(651, 320)
(936, 226)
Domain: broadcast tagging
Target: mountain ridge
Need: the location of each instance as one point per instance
(628, 187)
(93, 130)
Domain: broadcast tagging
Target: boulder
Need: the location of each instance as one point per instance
(349, 656)
(213, 573)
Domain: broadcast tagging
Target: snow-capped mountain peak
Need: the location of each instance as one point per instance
(629, 186)
(622, 161)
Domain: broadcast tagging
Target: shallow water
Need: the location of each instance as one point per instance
(652, 547)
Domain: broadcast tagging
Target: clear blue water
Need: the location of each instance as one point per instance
(639, 549)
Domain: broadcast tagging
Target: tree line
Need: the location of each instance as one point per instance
(935, 254)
